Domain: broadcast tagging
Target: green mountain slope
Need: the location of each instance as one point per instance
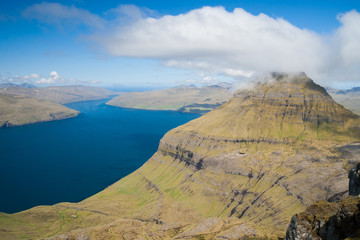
(242, 170)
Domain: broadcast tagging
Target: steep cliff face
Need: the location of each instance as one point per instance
(243, 169)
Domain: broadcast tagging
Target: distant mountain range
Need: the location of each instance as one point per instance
(204, 99)
(182, 98)
(349, 98)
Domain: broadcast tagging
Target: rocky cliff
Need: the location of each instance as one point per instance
(326, 220)
(330, 220)
(242, 170)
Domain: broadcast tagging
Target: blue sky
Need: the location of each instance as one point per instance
(166, 43)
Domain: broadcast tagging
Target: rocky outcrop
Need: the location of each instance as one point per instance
(354, 181)
(329, 220)
(325, 220)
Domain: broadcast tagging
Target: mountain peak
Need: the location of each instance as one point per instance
(285, 106)
(280, 85)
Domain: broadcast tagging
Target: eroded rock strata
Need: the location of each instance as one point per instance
(242, 170)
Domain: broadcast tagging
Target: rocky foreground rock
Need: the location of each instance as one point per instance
(241, 170)
(330, 220)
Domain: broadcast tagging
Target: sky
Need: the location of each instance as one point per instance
(167, 43)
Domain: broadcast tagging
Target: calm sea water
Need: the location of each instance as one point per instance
(70, 160)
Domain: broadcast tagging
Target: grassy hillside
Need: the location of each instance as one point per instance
(184, 99)
(18, 110)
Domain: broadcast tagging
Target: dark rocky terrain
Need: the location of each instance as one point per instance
(330, 220)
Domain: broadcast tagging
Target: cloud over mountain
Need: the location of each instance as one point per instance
(215, 41)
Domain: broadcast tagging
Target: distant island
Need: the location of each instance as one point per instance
(25, 103)
(182, 98)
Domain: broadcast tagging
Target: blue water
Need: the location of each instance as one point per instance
(70, 160)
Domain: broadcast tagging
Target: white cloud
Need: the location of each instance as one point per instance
(56, 13)
(238, 44)
(53, 78)
(45, 81)
(18, 79)
(345, 48)
(217, 42)
(34, 75)
(54, 75)
(31, 76)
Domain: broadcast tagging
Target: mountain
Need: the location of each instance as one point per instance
(60, 94)
(349, 98)
(182, 98)
(18, 110)
(241, 170)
